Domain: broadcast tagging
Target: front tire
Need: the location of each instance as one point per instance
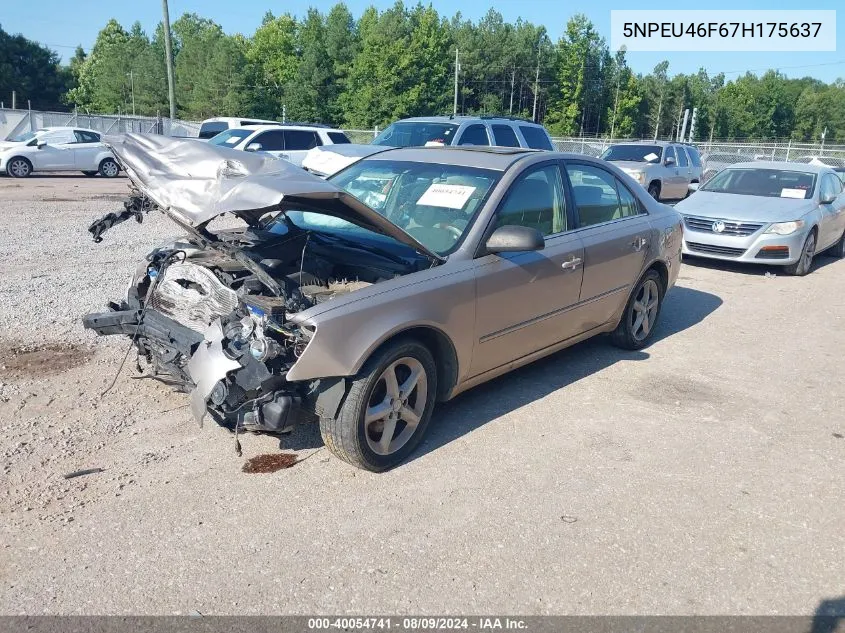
(19, 167)
(109, 168)
(387, 410)
(805, 261)
(636, 328)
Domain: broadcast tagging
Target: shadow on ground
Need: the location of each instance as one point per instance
(829, 616)
(754, 270)
(684, 308)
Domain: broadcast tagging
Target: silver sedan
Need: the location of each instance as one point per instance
(767, 213)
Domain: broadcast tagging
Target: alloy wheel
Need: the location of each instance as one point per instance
(19, 168)
(644, 310)
(109, 169)
(808, 253)
(396, 405)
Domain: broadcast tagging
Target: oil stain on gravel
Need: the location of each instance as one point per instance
(269, 463)
(33, 361)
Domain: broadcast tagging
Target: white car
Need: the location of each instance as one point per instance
(57, 149)
(287, 141)
(212, 127)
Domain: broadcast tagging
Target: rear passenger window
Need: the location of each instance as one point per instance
(474, 135)
(682, 158)
(598, 196)
(300, 139)
(694, 157)
(339, 138)
(536, 200)
(668, 153)
(536, 137)
(504, 136)
(83, 136)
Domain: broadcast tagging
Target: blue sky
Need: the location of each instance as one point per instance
(61, 25)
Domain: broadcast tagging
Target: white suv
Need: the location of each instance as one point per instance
(57, 149)
(288, 141)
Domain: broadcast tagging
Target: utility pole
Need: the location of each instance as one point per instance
(14, 100)
(821, 149)
(168, 51)
(513, 77)
(659, 109)
(615, 105)
(457, 70)
(536, 82)
(132, 89)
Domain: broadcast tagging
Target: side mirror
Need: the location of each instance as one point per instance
(669, 161)
(41, 144)
(827, 198)
(253, 147)
(514, 239)
(693, 187)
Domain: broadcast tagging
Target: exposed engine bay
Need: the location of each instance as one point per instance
(209, 314)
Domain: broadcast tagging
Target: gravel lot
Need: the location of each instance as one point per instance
(703, 475)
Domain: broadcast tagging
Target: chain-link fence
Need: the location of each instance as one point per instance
(14, 122)
(725, 151)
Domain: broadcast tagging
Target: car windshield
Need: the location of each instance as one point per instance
(416, 134)
(635, 153)
(24, 136)
(230, 138)
(770, 183)
(434, 204)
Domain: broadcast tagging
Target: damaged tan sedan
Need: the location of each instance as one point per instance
(401, 281)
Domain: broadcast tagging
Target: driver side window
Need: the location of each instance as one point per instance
(535, 200)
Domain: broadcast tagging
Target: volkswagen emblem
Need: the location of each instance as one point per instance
(718, 226)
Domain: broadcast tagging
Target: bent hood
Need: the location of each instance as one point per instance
(732, 206)
(194, 182)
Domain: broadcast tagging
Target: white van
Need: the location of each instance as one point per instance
(290, 141)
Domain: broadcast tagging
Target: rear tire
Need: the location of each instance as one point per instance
(636, 328)
(109, 168)
(90, 174)
(19, 167)
(654, 190)
(805, 261)
(375, 404)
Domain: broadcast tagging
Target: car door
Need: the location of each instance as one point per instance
(684, 169)
(673, 180)
(87, 147)
(525, 300)
(271, 142)
(297, 144)
(615, 232)
(55, 151)
(832, 214)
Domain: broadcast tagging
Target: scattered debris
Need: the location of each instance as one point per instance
(269, 463)
(567, 518)
(770, 275)
(81, 473)
(838, 436)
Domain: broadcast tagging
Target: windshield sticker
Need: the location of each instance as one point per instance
(448, 196)
(232, 140)
(792, 193)
(650, 157)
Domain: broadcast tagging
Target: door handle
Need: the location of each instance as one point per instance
(639, 243)
(571, 264)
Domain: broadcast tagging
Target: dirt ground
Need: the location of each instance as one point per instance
(703, 475)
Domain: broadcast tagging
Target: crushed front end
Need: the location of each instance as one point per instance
(231, 352)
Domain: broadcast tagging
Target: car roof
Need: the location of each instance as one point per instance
(286, 126)
(658, 143)
(62, 128)
(782, 166)
(461, 118)
(484, 157)
(218, 119)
